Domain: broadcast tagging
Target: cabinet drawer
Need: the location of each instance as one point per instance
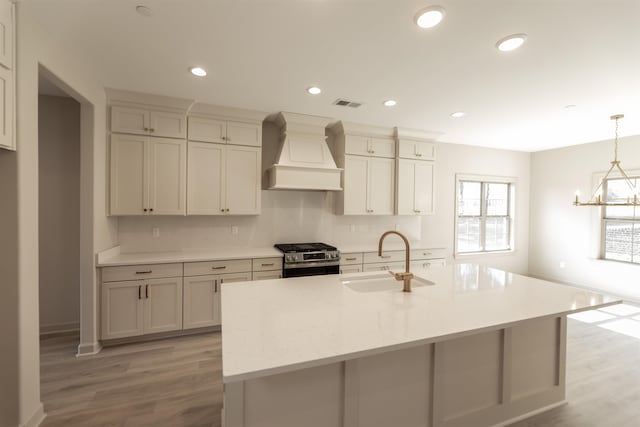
(344, 269)
(136, 272)
(266, 275)
(265, 264)
(427, 263)
(216, 267)
(417, 150)
(387, 256)
(353, 258)
(427, 253)
(384, 266)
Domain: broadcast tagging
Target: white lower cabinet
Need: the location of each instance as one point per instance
(202, 298)
(137, 307)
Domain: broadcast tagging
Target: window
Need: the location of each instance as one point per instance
(484, 214)
(620, 224)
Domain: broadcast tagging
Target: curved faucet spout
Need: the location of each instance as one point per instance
(406, 276)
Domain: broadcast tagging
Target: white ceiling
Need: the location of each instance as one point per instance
(262, 54)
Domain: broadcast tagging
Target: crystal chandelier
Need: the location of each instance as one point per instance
(596, 197)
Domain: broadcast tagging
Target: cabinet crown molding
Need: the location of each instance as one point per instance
(200, 109)
(360, 129)
(404, 133)
(127, 98)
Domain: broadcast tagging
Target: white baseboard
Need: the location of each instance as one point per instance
(88, 349)
(531, 414)
(36, 418)
(57, 328)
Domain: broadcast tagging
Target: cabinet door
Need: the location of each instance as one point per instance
(355, 185)
(129, 120)
(417, 150)
(207, 130)
(266, 275)
(415, 187)
(6, 109)
(6, 34)
(423, 187)
(201, 302)
(128, 191)
(167, 163)
(170, 125)
(381, 186)
(382, 147)
(243, 183)
(244, 134)
(162, 305)
(356, 144)
(205, 182)
(121, 308)
(235, 277)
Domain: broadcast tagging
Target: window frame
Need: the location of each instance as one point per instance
(604, 219)
(511, 217)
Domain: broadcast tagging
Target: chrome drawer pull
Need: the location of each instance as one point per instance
(219, 268)
(144, 272)
(385, 256)
(351, 259)
(267, 265)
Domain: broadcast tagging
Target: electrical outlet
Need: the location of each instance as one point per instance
(155, 231)
(234, 229)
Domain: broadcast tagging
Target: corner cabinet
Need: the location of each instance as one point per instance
(7, 75)
(147, 175)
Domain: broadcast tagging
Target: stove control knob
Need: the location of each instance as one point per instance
(289, 258)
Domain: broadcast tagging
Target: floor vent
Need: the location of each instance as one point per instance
(345, 103)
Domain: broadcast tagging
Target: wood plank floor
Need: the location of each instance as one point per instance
(178, 382)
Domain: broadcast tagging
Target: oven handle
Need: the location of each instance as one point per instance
(312, 264)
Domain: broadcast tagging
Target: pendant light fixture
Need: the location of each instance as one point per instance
(596, 197)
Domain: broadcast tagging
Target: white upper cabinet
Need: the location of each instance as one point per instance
(204, 129)
(146, 122)
(7, 75)
(147, 175)
(370, 146)
(415, 149)
(223, 179)
(6, 34)
(368, 186)
(415, 187)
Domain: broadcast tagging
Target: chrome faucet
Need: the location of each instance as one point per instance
(407, 275)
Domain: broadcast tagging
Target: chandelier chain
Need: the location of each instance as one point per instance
(616, 142)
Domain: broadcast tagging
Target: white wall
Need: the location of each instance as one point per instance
(20, 192)
(59, 207)
(561, 232)
(289, 216)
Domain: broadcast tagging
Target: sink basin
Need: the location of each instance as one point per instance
(379, 282)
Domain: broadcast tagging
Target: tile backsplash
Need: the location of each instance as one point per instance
(287, 216)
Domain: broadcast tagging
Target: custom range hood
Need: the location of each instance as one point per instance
(304, 161)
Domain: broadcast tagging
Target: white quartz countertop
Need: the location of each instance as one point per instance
(115, 258)
(275, 326)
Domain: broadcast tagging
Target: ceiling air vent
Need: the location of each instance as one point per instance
(345, 103)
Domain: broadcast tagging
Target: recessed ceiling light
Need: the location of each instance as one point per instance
(511, 42)
(458, 114)
(389, 103)
(314, 90)
(198, 71)
(429, 16)
(144, 11)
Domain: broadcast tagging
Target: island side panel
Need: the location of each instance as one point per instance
(484, 379)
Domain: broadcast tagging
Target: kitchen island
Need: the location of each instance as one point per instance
(469, 346)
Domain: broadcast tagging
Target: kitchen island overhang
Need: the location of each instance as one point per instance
(480, 345)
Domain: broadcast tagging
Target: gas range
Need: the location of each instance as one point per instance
(309, 259)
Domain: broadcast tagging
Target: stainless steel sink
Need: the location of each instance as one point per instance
(379, 282)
